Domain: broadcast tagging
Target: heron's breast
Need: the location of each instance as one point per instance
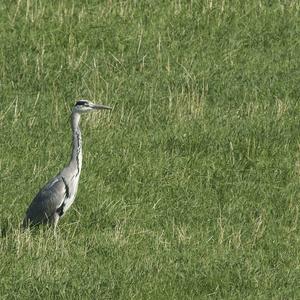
(72, 193)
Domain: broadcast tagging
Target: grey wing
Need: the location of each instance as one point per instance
(47, 201)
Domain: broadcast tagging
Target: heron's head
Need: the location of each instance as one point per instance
(83, 106)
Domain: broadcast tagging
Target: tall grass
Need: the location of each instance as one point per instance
(190, 187)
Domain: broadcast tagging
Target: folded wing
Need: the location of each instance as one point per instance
(47, 202)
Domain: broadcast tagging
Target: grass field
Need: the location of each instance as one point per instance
(190, 186)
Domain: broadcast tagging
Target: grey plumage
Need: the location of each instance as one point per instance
(56, 197)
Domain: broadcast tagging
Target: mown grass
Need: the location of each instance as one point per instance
(190, 187)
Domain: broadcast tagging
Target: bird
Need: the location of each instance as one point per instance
(56, 197)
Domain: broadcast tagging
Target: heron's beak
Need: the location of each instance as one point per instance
(100, 106)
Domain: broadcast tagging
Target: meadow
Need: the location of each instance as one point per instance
(190, 186)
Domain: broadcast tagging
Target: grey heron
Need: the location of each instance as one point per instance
(56, 197)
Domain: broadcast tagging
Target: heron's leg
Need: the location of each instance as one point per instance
(55, 221)
(25, 223)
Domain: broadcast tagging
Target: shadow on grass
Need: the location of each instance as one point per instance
(7, 228)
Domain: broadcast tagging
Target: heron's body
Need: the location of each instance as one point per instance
(56, 197)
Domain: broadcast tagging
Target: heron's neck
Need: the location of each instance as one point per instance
(76, 159)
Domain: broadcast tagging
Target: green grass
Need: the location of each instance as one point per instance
(190, 187)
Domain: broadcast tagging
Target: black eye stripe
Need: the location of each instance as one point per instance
(81, 102)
